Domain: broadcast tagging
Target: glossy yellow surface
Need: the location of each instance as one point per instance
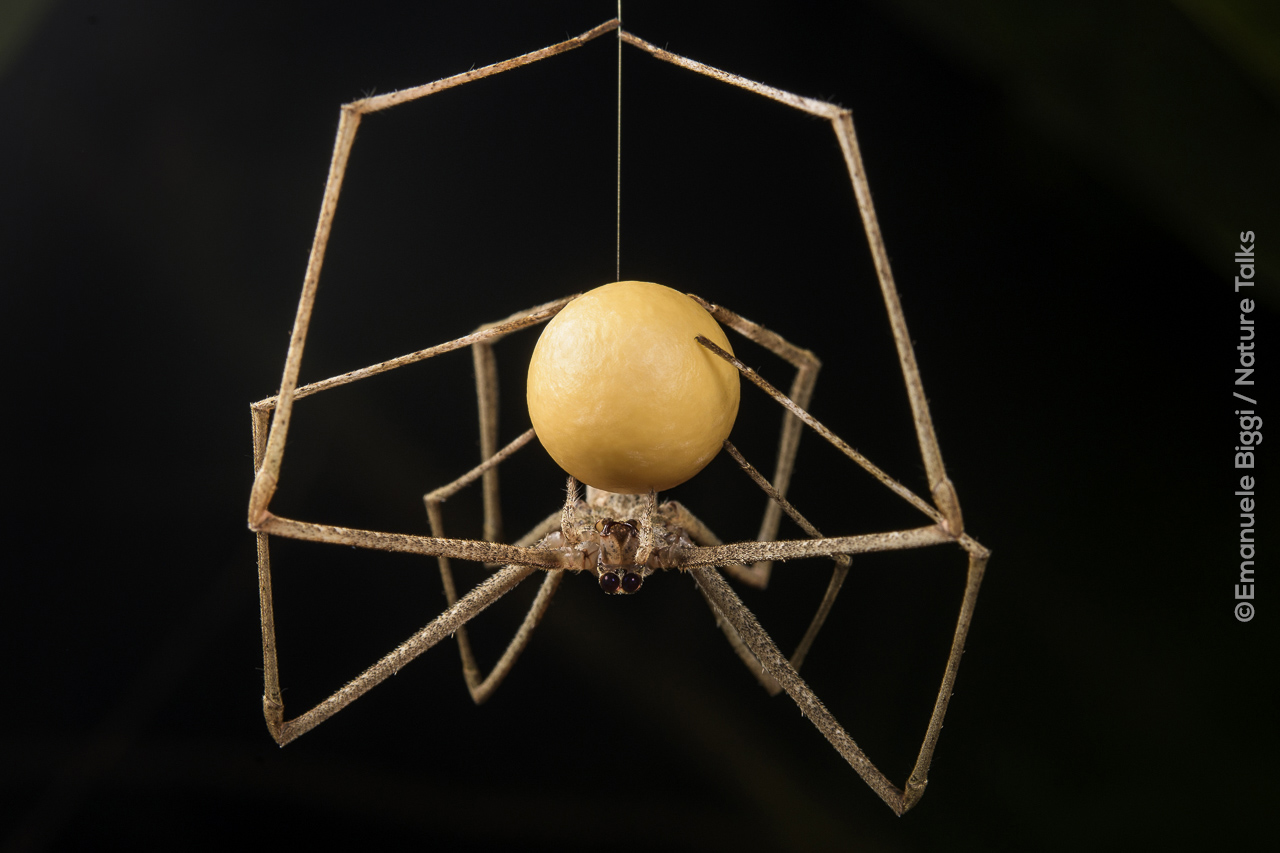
(623, 397)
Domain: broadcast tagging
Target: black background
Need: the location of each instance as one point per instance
(1060, 191)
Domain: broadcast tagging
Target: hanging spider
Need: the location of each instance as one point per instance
(633, 388)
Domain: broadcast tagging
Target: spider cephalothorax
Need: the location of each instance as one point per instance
(622, 539)
(616, 555)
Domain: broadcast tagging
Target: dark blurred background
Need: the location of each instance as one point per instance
(1060, 185)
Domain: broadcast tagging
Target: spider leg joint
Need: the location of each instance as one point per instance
(913, 793)
(264, 487)
(948, 503)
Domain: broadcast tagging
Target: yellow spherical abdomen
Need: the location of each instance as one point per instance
(623, 397)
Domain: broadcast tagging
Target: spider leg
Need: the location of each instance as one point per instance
(713, 554)
(947, 528)
(706, 537)
(267, 434)
(568, 513)
(700, 560)
(838, 573)
(442, 626)
(487, 398)
(270, 455)
(978, 557)
(486, 368)
(947, 516)
(943, 491)
(481, 687)
(646, 528)
(835, 440)
(807, 366)
(730, 608)
(521, 562)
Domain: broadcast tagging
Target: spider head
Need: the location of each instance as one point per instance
(616, 568)
(620, 582)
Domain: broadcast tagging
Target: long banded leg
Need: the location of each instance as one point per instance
(807, 366)
(481, 687)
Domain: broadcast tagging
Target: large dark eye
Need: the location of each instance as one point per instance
(631, 582)
(609, 582)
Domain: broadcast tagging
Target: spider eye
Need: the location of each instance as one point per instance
(609, 582)
(631, 582)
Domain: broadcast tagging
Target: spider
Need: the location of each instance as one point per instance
(621, 539)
